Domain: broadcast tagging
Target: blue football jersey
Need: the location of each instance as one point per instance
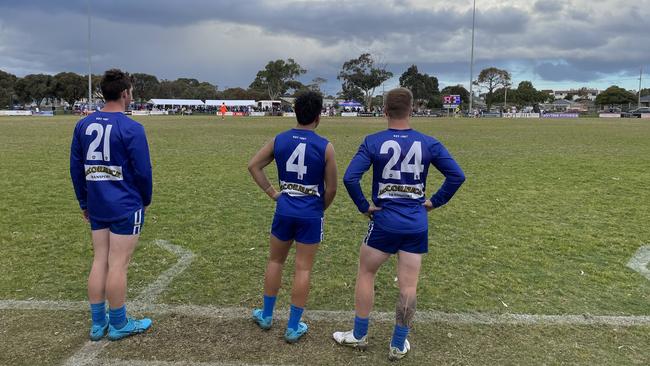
(400, 160)
(300, 158)
(110, 165)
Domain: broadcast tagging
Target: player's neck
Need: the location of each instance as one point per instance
(114, 106)
(399, 124)
(309, 127)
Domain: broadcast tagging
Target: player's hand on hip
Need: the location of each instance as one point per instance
(371, 211)
(276, 195)
(428, 205)
(85, 215)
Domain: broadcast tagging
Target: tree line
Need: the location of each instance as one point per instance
(360, 77)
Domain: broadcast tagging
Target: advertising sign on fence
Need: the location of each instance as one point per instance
(561, 115)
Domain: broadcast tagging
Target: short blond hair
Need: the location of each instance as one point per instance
(398, 103)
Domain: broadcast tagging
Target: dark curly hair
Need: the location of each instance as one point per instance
(113, 83)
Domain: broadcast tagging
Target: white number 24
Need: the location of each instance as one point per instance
(93, 154)
(299, 155)
(414, 153)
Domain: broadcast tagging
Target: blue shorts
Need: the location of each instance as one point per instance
(302, 230)
(389, 242)
(130, 225)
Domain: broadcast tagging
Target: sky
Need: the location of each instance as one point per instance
(556, 44)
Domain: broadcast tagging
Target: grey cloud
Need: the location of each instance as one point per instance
(575, 40)
(548, 6)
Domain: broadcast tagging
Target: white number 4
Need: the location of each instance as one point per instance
(299, 155)
(93, 154)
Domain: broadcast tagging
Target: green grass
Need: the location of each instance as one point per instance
(549, 216)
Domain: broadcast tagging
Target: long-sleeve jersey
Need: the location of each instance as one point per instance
(300, 158)
(110, 165)
(400, 161)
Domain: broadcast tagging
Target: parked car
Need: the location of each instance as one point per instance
(636, 113)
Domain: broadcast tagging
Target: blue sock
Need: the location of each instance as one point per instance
(98, 313)
(269, 304)
(360, 327)
(294, 317)
(118, 317)
(399, 336)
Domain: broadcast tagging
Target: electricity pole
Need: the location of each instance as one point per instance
(90, 95)
(471, 62)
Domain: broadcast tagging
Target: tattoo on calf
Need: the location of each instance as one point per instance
(405, 310)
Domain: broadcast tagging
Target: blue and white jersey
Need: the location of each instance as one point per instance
(300, 158)
(400, 161)
(110, 165)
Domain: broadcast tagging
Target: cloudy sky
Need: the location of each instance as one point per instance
(554, 43)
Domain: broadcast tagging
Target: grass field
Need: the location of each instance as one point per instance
(546, 222)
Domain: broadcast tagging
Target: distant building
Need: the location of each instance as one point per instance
(645, 101)
(582, 93)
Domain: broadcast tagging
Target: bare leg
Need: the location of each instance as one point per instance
(370, 259)
(278, 255)
(408, 271)
(119, 256)
(99, 269)
(305, 254)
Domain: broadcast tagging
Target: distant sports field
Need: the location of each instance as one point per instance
(550, 215)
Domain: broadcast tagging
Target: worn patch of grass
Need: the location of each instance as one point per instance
(176, 338)
(40, 337)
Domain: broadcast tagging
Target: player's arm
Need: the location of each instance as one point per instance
(454, 176)
(330, 175)
(77, 171)
(138, 150)
(358, 166)
(256, 167)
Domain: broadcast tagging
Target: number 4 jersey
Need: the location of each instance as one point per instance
(300, 158)
(400, 161)
(110, 165)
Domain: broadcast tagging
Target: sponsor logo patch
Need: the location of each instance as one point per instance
(390, 190)
(103, 172)
(298, 190)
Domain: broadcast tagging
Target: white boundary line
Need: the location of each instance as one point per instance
(88, 354)
(639, 262)
(233, 313)
(185, 258)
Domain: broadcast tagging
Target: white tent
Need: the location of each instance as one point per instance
(182, 102)
(230, 103)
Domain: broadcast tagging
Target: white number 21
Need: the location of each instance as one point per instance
(93, 154)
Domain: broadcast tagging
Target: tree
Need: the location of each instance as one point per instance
(490, 79)
(7, 92)
(457, 90)
(349, 92)
(205, 91)
(615, 95)
(423, 86)
(316, 83)
(35, 88)
(275, 78)
(145, 87)
(361, 73)
(526, 94)
(645, 92)
(69, 86)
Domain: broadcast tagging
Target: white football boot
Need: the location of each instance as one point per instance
(395, 353)
(347, 339)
